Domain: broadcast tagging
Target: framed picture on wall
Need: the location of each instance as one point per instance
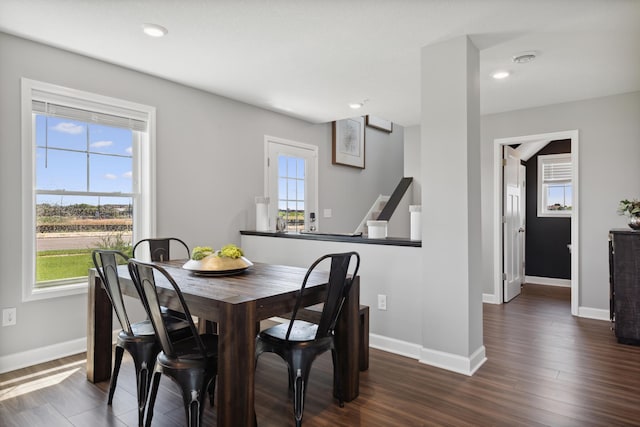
(348, 142)
(380, 124)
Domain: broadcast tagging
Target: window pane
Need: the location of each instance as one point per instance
(300, 168)
(291, 167)
(282, 187)
(110, 173)
(558, 197)
(300, 192)
(68, 228)
(61, 170)
(282, 165)
(61, 133)
(109, 140)
(291, 189)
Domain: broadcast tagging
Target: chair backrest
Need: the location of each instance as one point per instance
(338, 288)
(160, 248)
(142, 274)
(106, 263)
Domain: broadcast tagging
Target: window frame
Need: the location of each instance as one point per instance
(542, 187)
(144, 162)
(293, 149)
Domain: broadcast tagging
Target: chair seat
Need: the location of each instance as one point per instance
(143, 328)
(187, 349)
(300, 332)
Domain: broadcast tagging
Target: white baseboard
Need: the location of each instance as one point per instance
(594, 313)
(490, 299)
(448, 361)
(453, 362)
(549, 281)
(395, 346)
(23, 359)
(11, 362)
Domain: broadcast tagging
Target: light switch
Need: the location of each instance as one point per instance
(327, 213)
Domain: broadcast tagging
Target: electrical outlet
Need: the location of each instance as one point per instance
(382, 302)
(9, 316)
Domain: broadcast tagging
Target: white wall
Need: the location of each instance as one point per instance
(609, 147)
(412, 161)
(609, 134)
(394, 271)
(209, 162)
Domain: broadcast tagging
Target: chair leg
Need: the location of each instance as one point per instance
(299, 380)
(193, 394)
(298, 397)
(152, 397)
(336, 377)
(114, 375)
(143, 388)
(212, 391)
(144, 358)
(193, 414)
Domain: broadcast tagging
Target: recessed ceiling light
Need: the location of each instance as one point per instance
(356, 105)
(498, 75)
(524, 57)
(154, 30)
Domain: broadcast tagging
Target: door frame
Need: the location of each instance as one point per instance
(311, 189)
(498, 255)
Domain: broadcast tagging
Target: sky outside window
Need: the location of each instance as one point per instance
(77, 156)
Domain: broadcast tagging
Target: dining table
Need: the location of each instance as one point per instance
(237, 303)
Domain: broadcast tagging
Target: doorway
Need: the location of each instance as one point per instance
(535, 142)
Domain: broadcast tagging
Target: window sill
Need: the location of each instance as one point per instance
(36, 294)
(553, 215)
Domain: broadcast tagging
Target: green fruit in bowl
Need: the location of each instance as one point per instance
(199, 252)
(230, 251)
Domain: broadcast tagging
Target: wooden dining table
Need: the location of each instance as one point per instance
(237, 303)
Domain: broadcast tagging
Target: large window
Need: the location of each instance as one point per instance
(88, 164)
(291, 184)
(554, 185)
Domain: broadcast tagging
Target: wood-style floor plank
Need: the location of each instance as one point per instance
(545, 368)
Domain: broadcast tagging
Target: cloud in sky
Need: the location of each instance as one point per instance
(110, 176)
(67, 127)
(129, 150)
(127, 175)
(101, 144)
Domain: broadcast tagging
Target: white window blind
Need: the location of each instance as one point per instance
(556, 170)
(54, 105)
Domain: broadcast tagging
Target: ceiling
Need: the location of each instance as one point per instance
(310, 58)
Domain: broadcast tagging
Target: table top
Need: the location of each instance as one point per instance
(269, 286)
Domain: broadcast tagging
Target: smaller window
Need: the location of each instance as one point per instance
(554, 185)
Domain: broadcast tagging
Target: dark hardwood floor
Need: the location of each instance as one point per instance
(544, 368)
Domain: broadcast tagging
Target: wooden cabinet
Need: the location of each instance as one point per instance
(624, 277)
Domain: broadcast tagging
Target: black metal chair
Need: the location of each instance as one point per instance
(191, 362)
(159, 251)
(299, 342)
(160, 248)
(138, 338)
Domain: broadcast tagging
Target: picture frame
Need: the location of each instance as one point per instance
(380, 124)
(348, 142)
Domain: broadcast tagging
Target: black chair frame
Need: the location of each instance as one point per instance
(137, 338)
(299, 342)
(190, 362)
(160, 247)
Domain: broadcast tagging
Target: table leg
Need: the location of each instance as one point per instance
(99, 321)
(347, 339)
(236, 365)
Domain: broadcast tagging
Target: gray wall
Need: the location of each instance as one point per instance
(209, 161)
(609, 152)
